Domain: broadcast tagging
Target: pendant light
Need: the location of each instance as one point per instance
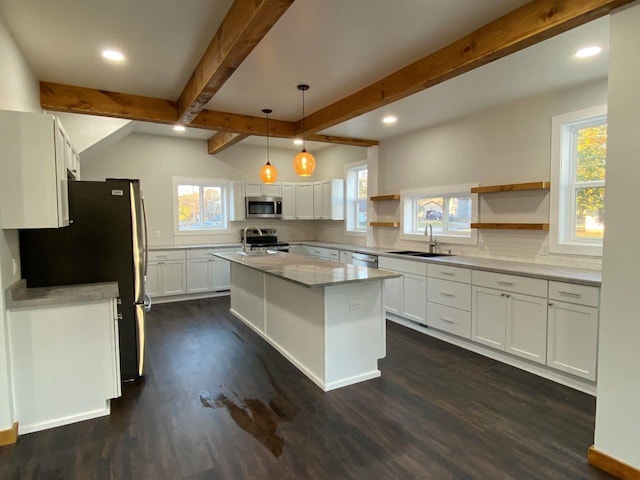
(304, 163)
(268, 173)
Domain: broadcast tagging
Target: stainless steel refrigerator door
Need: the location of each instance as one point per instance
(141, 326)
(138, 228)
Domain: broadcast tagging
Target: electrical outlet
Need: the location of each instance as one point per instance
(355, 305)
(156, 234)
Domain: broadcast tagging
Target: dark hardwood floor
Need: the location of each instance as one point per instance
(220, 403)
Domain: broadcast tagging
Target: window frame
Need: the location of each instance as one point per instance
(350, 213)
(408, 199)
(564, 186)
(202, 182)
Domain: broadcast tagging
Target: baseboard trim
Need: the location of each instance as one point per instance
(10, 436)
(611, 465)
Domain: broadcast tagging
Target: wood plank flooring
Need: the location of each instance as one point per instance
(220, 403)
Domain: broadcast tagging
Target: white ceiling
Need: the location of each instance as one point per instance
(336, 46)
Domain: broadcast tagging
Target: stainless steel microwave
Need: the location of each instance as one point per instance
(263, 207)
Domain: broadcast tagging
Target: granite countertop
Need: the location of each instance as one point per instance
(307, 271)
(547, 272)
(19, 296)
(155, 248)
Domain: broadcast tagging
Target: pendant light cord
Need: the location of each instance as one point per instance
(268, 158)
(304, 144)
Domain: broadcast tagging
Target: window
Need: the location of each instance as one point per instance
(449, 211)
(578, 181)
(357, 198)
(200, 206)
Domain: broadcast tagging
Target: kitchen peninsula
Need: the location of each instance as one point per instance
(326, 318)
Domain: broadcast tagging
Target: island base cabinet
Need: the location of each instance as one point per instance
(334, 334)
(573, 339)
(65, 363)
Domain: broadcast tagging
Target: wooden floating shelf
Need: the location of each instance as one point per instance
(512, 226)
(385, 224)
(381, 198)
(512, 187)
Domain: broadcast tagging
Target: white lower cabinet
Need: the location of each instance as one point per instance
(406, 296)
(572, 340)
(207, 273)
(511, 322)
(65, 361)
(414, 301)
(166, 273)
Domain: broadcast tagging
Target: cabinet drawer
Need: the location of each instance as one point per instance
(572, 293)
(452, 294)
(510, 283)
(160, 255)
(445, 272)
(451, 320)
(334, 255)
(207, 252)
(406, 266)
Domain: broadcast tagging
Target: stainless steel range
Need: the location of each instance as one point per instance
(267, 241)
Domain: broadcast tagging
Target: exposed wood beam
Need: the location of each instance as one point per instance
(223, 140)
(530, 24)
(357, 142)
(66, 98)
(245, 24)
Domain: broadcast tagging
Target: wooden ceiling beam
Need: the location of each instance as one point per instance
(245, 24)
(530, 24)
(66, 98)
(223, 140)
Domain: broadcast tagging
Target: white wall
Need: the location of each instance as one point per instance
(618, 413)
(19, 90)
(156, 159)
(510, 144)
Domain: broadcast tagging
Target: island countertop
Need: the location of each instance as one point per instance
(307, 271)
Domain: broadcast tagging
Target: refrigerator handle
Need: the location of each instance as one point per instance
(146, 237)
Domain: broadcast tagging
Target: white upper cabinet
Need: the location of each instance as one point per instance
(259, 189)
(33, 171)
(304, 201)
(328, 200)
(288, 201)
(236, 204)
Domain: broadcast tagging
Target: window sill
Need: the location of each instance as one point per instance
(415, 237)
(353, 233)
(181, 233)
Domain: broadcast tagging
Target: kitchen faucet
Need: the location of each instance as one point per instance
(432, 243)
(244, 236)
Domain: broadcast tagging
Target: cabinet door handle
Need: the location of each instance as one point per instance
(447, 294)
(502, 282)
(502, 294)
(571, 294)
(445, 319)
(550, 304)
(508, 295)
(446, 273)
(162, 256)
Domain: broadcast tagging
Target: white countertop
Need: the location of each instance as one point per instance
(19, 296)
(307, 271)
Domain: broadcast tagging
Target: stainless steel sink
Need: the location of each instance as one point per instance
(413, 253)
(259, 253)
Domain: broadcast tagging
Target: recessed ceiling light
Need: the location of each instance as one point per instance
(588, 51)
(179, 128)
(113, 55)
(389, 119)
(298, 141)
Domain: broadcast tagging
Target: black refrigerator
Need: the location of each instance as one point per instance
(106, 241)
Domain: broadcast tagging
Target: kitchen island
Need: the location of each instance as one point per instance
(326, 318)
